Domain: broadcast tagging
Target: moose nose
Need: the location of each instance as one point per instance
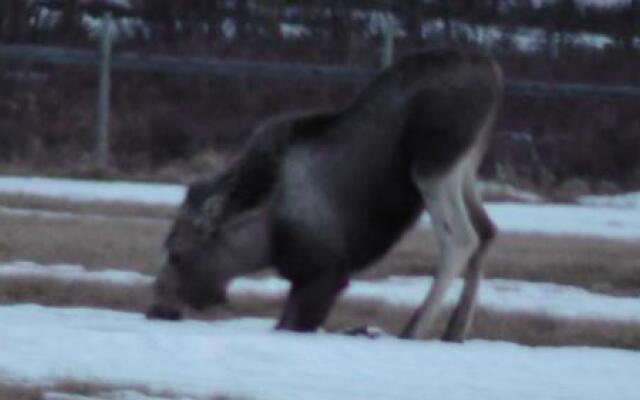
(163, 312)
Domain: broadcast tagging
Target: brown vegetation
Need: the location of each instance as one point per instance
(95, 208)
(94, 243)
(600, 265)
(518, 327)
(118, 239)
(55, 292)
(16, 391)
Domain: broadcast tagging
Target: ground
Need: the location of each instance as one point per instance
(559, 315)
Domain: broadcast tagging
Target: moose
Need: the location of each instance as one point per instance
(319, 195)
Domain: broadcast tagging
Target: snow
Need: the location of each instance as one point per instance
(63, 215)
(561, 219)
(86, 190)
(117, 3)
(110, 395)
(119, 28)
(26, 269)
(509, 191)
(293, 31)
(591, 218)
(246, 358)
(625, 200)
(523, 39)
(497, 294)
(601, 3)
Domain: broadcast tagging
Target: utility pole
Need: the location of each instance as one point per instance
(388, 37)
(104, 94)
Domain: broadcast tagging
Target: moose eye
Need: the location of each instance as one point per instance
(176, 259)
(200, 230)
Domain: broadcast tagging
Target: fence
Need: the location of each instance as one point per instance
(208, 65)
(104, 61)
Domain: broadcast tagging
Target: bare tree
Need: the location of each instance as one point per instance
(14, 19)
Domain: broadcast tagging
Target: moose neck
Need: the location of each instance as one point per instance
(248, 240)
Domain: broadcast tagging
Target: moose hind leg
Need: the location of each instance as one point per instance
(309, 303)
(486, 230)
(457, 240)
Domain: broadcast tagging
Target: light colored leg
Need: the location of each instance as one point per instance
(457, 240)
(486, 230)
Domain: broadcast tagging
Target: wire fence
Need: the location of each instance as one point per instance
(103, 60)
(216, 66)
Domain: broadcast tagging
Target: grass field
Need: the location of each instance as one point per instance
(103, 235)
(107, 235)
(523, 328)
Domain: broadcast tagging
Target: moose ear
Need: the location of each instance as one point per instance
(213, 206)
(210, 216)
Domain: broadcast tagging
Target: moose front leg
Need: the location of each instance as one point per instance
(309, 303)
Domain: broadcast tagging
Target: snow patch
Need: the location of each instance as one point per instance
(585, 220)
(86, 190)
(625, 200)
(65, 272)
(497, 294)
(567, 219)
(245, 358)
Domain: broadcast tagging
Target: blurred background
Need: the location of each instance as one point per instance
(168, 123)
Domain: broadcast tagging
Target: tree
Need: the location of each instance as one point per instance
(341, 28)
(70, 24)
(412, 15)
(629, 25)
(13, 20)
(445, 8)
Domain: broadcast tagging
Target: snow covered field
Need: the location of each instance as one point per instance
(603, 216)
(245, 358)
(626, 200)
(85, 190)
(496, 294)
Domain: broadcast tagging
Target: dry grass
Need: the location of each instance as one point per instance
(94, 243)
(199, 165)
(125, 242)
(517, 327)
(601, 265)
(55, 292)
(17, 391)
(102, 208)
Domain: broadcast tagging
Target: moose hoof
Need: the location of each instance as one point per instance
(370, 332)
(165, 313)
(453, 338)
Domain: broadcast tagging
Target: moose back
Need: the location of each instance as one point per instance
(320, 195)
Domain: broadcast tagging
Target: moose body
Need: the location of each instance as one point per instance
(320, 195)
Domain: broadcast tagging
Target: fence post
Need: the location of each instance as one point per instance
(104, 93)
(388, 37)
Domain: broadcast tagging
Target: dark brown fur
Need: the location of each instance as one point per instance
(319, 195)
